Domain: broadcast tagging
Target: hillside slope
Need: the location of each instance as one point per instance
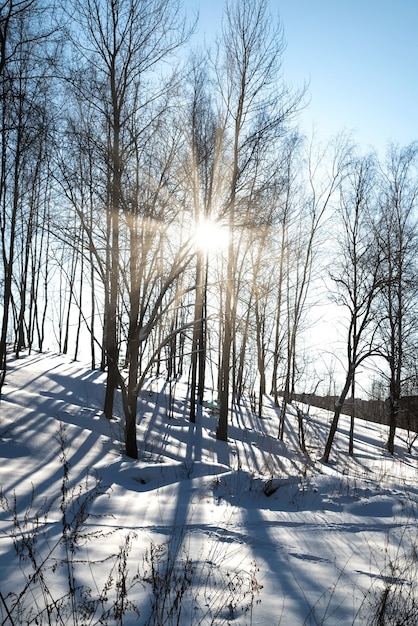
(200, 531)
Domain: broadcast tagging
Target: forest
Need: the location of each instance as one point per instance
(163, 215)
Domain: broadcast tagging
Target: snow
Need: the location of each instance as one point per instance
(245, 532)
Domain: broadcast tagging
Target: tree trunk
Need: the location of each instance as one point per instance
(394, 399)
(196, 338)
(222, 429)
(202, 340)
(112, 347)
(337, 412)
(352, 417)
(8, 264)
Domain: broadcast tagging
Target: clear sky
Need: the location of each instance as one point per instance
(360, 57)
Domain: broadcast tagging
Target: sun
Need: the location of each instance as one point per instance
(211, 235)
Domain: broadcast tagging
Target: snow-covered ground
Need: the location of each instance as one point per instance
(196, 531)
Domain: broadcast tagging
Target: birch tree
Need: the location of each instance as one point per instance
(324, 168)
(397, 237)
(121, 45)
(357, 277)
(256, 108)
(201, 166)
(120, 48)
(24, 84)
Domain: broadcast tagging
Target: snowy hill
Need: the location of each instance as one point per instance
(197, 531)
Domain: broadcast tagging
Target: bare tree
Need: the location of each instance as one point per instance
(397, 237)
(157, 256)
(11, 13)
(306, 201)
(201, 165)
(357, 277)
(263, 283)
(121, 44)
(81, 180)
(286, 203)
(24, 63)
(256, 108)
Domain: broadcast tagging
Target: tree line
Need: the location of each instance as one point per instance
(121, 139)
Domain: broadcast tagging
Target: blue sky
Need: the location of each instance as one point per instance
(361, 58)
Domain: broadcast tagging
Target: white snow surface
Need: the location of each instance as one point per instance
(207, 544)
